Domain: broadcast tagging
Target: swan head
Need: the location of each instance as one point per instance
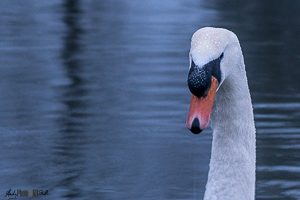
(213, 55)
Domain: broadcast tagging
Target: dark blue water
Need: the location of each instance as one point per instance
(94, 98)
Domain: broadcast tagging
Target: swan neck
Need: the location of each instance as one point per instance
(232, 165)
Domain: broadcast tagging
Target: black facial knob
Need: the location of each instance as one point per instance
(199, 80)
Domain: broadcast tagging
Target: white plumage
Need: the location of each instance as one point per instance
(232, 165)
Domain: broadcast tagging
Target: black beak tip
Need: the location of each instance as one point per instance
(196, 130)
(196, 126)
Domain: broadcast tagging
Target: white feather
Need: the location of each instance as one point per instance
(232, 165)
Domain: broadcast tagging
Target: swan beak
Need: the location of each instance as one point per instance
(201, 108)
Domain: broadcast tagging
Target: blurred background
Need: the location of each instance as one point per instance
(94, 97)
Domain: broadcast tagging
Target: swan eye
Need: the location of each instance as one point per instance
(221, 56)
(216, 68)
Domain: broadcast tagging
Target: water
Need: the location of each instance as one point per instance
(94, 96)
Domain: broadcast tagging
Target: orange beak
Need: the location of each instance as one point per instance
(201, 108)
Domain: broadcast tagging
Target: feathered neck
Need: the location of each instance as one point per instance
(232, 165)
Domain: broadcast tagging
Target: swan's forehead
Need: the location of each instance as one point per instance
(208, 44)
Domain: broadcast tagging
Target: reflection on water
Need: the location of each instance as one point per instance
(94, 96)
(69, 144)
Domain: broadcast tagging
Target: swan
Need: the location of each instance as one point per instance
(218, 83)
